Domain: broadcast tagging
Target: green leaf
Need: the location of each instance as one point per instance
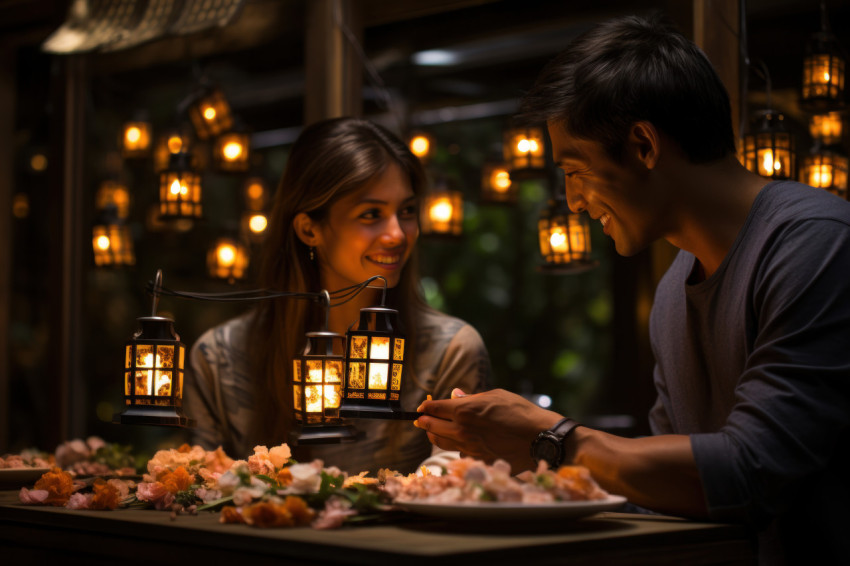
(214, 505)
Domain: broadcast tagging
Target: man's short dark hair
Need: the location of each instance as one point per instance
(630, 69)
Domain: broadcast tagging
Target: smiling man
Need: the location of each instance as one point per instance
(751, 324)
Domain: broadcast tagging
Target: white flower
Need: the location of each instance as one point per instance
(305, 478)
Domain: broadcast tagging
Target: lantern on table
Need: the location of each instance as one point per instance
(317, 376)
(153, 373)
(374, 366)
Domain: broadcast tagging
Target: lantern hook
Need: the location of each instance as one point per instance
(157, 286)
(327, 300)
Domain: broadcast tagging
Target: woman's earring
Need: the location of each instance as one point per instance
(312, 254)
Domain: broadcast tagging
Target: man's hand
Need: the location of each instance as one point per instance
(490, 425)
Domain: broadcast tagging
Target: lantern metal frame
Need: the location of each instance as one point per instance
(525, 162)
(324, 351)
(186, 202)
(557, 217)
(153, 353)
(824, 70)
(365, 395)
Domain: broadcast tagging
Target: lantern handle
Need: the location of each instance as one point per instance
(157, 286)
(327, 300)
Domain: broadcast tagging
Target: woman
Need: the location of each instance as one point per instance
(345, 210)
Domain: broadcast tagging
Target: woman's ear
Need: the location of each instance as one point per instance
(645, 140)
(306, 229)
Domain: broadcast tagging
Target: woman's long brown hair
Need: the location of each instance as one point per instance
(329, 160)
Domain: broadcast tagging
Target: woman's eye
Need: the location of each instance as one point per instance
(409, 210)
(371, 214)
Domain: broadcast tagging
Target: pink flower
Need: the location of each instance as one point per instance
(33, 496)
(259, 462)
(70, 452)
(80, 501)
(156, 493)
(334, 514)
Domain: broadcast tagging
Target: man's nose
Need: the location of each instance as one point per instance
(575, 199)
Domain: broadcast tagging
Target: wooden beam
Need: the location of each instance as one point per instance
(334, 72)
(7, 153)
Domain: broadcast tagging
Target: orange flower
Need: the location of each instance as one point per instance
(231, 515)
(184, 449)
(59, 486)
(178, 480)
(299, 510)
(284, 477)
(106, 496)
(267, 514)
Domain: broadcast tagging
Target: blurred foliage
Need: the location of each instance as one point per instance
(546, 334)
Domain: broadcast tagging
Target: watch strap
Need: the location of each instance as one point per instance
(557, 433)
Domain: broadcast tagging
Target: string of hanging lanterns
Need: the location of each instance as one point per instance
(359, 375)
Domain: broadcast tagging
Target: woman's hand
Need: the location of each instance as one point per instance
(490, 425)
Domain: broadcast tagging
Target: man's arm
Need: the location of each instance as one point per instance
(658, 473)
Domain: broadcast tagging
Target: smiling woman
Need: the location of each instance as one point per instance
(345, 211)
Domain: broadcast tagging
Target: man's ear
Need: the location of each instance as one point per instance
(645, 143)
(306, 229)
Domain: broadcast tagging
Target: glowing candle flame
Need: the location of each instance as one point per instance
(226, 254)
(441, 211)
(178, 188)
(232, 151)
(821, 176)
(209, 113)
(500, 181)
(258, 223)
(175, 144)
(558, 240)
(133, 135)
(420, 146)
(255, 191)
(103, 243)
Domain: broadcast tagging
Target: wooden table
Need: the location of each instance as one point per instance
(43, 535)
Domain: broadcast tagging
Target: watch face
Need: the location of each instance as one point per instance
(546, 448)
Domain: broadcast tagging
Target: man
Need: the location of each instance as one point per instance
(751, 323)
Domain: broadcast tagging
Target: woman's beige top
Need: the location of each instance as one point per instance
(219, 395)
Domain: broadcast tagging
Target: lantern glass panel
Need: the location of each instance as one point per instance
(313, 398)
(314, 371)
(380, 348)
(332, 396)
(395, 382)
(378, 375)
(357, 375)
(398, 349)
(163, 383)
(827, 128)
(296, 371)
(165, 356)
(128, 384)
(333, 371)
(358, 347)
(296, 393)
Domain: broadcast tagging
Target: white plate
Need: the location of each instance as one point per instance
(21, 475)
(499, 511)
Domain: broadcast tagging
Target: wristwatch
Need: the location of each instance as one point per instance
(549, 444)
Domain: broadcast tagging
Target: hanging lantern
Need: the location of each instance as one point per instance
(210, 114)
(441, 213)
(153, 373)
(770, 150)
(227, 259)
(136, 139)
(232, 152)
(524, 150)
(112, 243)
(823, 70)
(374, 361)
(564, 239)
(496, 185)
(113, 193)
(254, 226)
(422, 145)
(179, 189)
(317, 391)
(825, 169)
(256, 193)
(827, 128)
(173, 142)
